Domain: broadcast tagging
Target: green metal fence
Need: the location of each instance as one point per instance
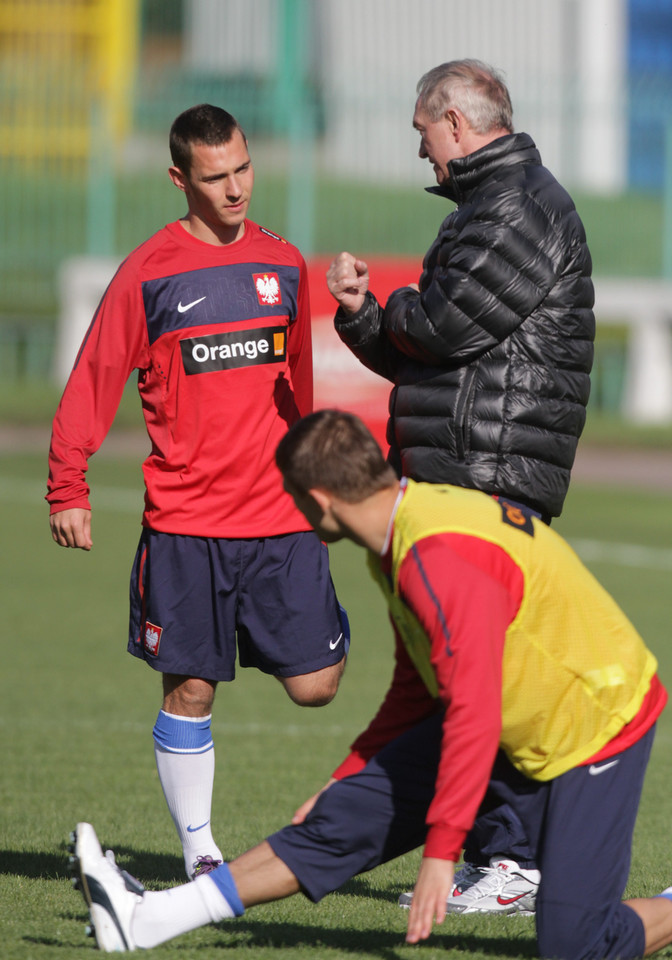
(104, 189)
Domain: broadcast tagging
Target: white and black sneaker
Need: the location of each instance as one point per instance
(501, 888)
(111, 894)
(465, 877)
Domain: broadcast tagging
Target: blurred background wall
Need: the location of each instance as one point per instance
(325, 90)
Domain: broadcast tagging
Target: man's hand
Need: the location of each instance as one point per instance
(432, 889)
(306, 807)
(72, 528)
(348, 281)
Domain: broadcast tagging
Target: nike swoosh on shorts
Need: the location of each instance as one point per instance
(594, 770)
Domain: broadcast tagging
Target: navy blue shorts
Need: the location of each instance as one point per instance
(195, 600)
(579, 825)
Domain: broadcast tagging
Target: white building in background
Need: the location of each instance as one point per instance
(563, 60)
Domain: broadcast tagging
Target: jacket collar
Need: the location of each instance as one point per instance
(469, 172)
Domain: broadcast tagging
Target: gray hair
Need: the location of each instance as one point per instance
(475, 89)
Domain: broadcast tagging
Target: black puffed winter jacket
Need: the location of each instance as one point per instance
(491, 360)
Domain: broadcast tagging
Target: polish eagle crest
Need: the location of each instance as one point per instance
(268, 288)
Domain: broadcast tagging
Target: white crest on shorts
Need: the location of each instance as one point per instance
(152, 638)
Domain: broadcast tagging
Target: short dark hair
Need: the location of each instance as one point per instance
(335, 451)
(200, 124)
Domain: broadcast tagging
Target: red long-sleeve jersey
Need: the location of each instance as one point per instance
(220, 336)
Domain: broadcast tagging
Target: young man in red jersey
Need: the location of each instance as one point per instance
(515, 672)
(213, 313)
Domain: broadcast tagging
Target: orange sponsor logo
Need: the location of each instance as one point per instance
(514, 514)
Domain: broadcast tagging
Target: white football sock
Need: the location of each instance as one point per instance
(166, 914)
(187, 780)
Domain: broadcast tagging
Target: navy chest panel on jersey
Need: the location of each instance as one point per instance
(219, 295)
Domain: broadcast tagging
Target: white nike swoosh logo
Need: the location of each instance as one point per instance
(593, 770)
(334, 643)
(182, 308)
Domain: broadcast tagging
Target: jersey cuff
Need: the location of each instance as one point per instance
(78, 503)
(444, 842)
(352, 764)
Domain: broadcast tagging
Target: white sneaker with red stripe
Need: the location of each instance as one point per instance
(504, 887)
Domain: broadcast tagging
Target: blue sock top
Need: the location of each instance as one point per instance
(182, 734)
(222, 878)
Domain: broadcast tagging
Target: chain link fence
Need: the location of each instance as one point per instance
(325, 91)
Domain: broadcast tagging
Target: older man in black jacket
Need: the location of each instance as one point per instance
(490, 357)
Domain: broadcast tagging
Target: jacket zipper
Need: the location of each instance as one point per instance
(463, 409)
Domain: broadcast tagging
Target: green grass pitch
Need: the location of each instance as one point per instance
(76, 714)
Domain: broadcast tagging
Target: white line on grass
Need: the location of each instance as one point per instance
(289, 730)
(624, 554)
(123, 500)
(117, 499)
